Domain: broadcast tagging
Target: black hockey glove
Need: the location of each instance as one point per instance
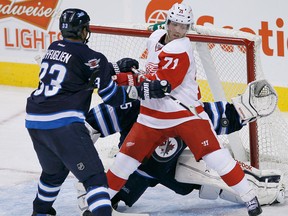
(154, 89)
(125, 64)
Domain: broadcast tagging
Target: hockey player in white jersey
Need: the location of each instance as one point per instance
(170, 58)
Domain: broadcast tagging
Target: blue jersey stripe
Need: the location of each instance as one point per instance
(51, 124)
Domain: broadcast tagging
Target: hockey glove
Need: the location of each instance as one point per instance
(128, 78)
(125, 64)
(154, 89)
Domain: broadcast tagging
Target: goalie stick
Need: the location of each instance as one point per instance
(191, 109)
(115, 213)
(93, 77)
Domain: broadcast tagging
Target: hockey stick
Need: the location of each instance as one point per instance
(93, 77)
(192, 109)
(115, 213)
(37, 58)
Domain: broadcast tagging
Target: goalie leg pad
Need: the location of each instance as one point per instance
(188, 170)
(209, 192)
(268, 185)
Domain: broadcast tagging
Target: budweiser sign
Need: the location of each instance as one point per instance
(35, 12)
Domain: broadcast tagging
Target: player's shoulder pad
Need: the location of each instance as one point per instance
(180, 45)
(156, 35)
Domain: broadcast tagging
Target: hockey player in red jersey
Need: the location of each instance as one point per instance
(170, 58)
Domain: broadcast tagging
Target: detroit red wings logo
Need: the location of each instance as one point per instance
(151, 68)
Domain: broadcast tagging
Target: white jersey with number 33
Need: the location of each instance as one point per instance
(173, 62)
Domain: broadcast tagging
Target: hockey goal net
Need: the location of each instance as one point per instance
(226, 61)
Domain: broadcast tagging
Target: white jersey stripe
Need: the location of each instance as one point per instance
(46, 199)
(114, 119)
(101, 121)
(52, 117)
(47, 188)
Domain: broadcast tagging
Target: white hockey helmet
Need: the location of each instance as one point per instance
(180, 13)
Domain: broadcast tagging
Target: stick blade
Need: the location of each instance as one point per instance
(116, 213)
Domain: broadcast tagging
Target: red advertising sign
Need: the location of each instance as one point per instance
(35, 12)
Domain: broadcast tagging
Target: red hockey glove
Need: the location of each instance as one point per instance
(128, 78)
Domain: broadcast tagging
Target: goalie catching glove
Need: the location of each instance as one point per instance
(149, 89)
(258, 100)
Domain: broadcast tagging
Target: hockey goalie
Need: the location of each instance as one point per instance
(182, 173)
(179, 171)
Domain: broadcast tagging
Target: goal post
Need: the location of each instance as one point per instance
(226, 61)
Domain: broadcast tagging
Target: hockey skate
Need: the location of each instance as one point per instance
(253, 207)
(86, 213)
(51, 212)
